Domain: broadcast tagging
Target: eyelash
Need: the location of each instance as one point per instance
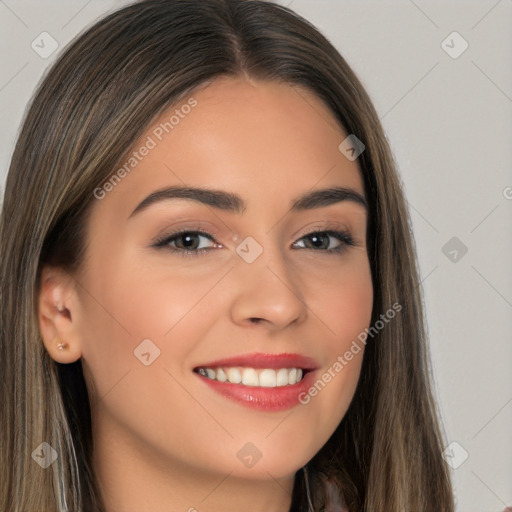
(163, 242)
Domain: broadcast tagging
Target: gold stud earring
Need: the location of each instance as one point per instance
(61, 345)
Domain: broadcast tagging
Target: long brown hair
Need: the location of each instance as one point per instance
(91, 107)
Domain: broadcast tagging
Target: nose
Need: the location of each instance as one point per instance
(265, 292)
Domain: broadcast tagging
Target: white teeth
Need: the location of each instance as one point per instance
(221, 375)
(234, 376)
(250, 377)
(267, 378)
(282, 377)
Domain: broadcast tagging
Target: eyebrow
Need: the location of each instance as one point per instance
(231, 202)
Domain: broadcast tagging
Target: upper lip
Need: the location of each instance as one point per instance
(260, 360)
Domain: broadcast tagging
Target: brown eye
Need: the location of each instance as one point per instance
(186, 242)
(322, 240)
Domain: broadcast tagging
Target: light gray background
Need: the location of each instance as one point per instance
(449, 123)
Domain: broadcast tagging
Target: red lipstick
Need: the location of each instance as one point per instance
(259, 360)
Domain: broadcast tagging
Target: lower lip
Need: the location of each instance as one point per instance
(278, 398)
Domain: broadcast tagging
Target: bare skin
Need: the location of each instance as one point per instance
(163, 439)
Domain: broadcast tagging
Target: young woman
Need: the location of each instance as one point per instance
(209, 290)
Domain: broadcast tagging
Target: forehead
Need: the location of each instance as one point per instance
(266, 140)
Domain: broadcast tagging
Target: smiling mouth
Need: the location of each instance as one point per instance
(260, 381)
(258, 377)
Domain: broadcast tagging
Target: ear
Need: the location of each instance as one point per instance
(57, 314)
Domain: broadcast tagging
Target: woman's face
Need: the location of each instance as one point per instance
(155, 306)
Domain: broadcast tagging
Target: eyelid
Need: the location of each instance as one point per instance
(177, 227)
(162, 240)
(210, 231)
(327, 225)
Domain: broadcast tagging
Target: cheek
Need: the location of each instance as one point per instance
(126, 305)
(345, 303)
(345, 308)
